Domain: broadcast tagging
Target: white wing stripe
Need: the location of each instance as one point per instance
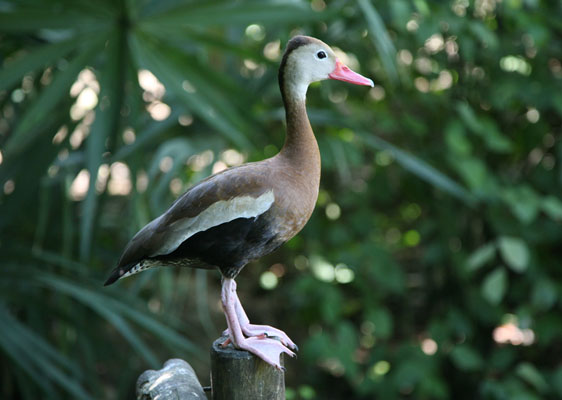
(218, 213)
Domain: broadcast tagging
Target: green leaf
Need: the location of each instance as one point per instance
(105, 125)
(234, 13)
(166, 334)
(202, 302)
(401, 11)
(420, 168)
(37, 345)
(477, 176)
(531, 375)
(115, 310)
(495, 285)
(177, 36)
(552, 206)
(557, 381)
(469, 118)
(344, 344)
(212, 85)
(338, 152)
(35, 354)
(13, 70)
(466, 358)
(481, 256)
(9, 343)
(557, 103)
(380, 38)
(206, 102)
(485, 127)
(76, 268)
(50, 16)
(486, 35)
(21, 170)
(456, 138)
(515, 253)
(150, 131)
(422, 7)
(383, 322)
(27, 128)
(104, 308)
(523, 201)
(179, 150)
(544, 294)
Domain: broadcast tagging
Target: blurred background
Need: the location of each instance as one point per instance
(431, 266)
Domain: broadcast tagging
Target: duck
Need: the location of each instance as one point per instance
(246, 212)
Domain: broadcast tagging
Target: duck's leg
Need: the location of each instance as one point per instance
(259, 331)
(267, 349)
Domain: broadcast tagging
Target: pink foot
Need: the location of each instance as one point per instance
(267, 349)
(259, 331)
(261, 340)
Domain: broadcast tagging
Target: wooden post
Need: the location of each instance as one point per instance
(239, 375)
(176, 381)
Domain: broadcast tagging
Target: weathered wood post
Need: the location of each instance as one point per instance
(176, 381)
(235, 375)
(239, 375)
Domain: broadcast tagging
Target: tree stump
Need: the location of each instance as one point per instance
(239, 375)
(176, 381)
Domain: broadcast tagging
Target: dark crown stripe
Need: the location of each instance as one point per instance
(292, 45)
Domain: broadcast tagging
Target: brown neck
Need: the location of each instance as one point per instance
(300, 148)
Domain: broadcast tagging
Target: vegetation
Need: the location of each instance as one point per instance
(431, 266)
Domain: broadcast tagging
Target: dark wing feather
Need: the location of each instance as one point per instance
(246, 180)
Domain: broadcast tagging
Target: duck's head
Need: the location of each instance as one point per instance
(308, 60)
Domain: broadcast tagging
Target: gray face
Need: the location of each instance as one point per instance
(312, 62)
(308, 63)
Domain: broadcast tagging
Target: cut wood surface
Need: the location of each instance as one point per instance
(239, 375)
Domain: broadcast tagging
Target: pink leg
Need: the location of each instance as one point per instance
(258, 331)
(267, 349)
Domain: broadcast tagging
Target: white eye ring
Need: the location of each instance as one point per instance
(321, 54)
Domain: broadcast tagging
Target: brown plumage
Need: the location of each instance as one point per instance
(245, 212)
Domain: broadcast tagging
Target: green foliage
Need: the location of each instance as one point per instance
(430, 269)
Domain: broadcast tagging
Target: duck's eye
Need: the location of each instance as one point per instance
(321, 54)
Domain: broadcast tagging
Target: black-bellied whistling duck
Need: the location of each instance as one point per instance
(246, 212)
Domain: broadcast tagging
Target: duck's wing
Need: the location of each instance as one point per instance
(235, 193)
